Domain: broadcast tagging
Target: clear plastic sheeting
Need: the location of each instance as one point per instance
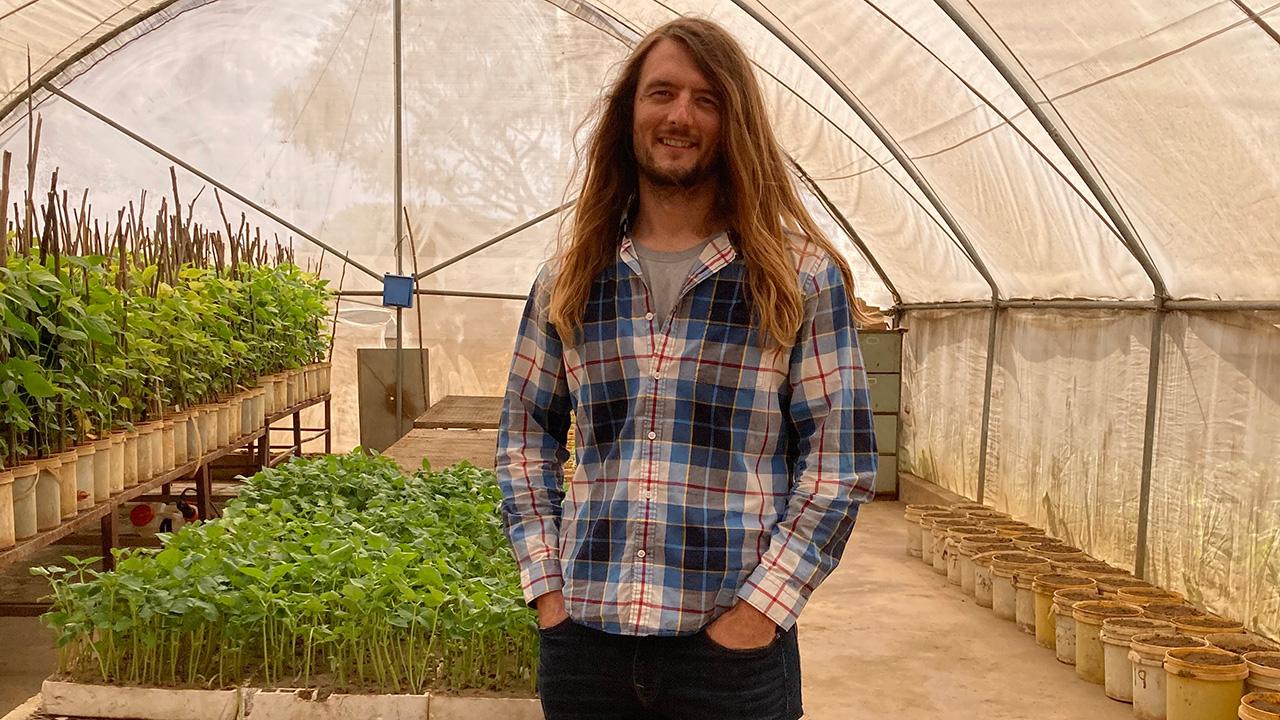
(1175, 102)
(944, 359)
(1067, 408)
(1215, 499)
(1023, 213)
(55, 32)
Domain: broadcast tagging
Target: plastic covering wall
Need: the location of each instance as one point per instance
(1215, 489)
(1067, 409)
(944, 375)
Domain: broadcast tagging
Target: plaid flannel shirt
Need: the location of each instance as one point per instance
(708, 468)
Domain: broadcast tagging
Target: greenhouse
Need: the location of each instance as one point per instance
(263, 264)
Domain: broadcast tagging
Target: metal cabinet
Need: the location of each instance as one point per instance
(882, 358)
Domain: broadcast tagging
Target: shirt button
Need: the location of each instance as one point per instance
(653, 435)
(648, 316)
(640, 554)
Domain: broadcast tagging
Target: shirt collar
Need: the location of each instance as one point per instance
(717, 254)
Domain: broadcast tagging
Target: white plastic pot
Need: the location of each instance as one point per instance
(157, 449)
(131, 459)
(102, 469)
(222, 430)
(1147, 653)
(180, 424)
(85, 492)
(25, 524)
(1260, 706)
(169, 448)
(117, 461)
(7, 538)
(1117, 636)
(195, 439)
(68, 489)
(1264, 672)
(143, 461)
(326, 370)
(49, 493)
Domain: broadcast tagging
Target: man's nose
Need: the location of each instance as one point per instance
(681, 113)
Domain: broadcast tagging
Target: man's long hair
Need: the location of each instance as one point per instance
(757, 199)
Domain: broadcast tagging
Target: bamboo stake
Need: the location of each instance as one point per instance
(4, 207)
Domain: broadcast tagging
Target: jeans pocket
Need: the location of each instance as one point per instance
(559, 628)
(755, 652)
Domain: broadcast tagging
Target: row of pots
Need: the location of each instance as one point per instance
(1143, 644)
(41, 494)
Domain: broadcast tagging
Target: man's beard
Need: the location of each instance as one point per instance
(701, 172)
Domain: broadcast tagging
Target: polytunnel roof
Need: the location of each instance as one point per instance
(1074, 149)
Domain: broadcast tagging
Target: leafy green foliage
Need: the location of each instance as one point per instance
(337, 570)
(82, 350)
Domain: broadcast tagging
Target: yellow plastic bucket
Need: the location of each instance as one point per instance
(1043, 586)
(1264, 671)
(1089, 616)
(1204, 683)
(1260, 706)
(1145, 596)
(1004, 590)
(1147, 653)
(1205, 625)
(1064, 623)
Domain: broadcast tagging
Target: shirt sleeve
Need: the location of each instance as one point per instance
(834, 444)
(532, 438)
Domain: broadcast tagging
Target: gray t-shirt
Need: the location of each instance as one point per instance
(665, 273)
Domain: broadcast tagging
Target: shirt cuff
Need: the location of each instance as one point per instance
(540, 578)
(773, 594)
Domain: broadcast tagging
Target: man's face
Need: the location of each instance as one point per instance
(676, 132)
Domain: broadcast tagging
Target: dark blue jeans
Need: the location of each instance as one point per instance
(586, 674)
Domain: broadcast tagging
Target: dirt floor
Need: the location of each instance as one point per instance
(884, 637)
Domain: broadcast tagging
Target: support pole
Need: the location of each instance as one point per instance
(1148, 445)
(209, 179)
(494, 240)
(869, 120)
(986, 403)
(110, 539)
(328, 425)
(439, 293)
(398, 127)
(844, 223)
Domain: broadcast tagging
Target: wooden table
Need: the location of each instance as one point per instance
(444, 448)
(462, 412)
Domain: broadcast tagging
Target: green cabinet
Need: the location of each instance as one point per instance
(882, 358)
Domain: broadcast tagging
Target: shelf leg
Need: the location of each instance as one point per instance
(328, 426)
(297, 433)
(264, 448)
(110, 538)
(204, 492)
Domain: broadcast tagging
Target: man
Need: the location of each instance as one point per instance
(700, 326)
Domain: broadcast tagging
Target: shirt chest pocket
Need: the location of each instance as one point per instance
(732, 360)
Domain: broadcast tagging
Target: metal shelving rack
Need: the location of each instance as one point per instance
(196, 471)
